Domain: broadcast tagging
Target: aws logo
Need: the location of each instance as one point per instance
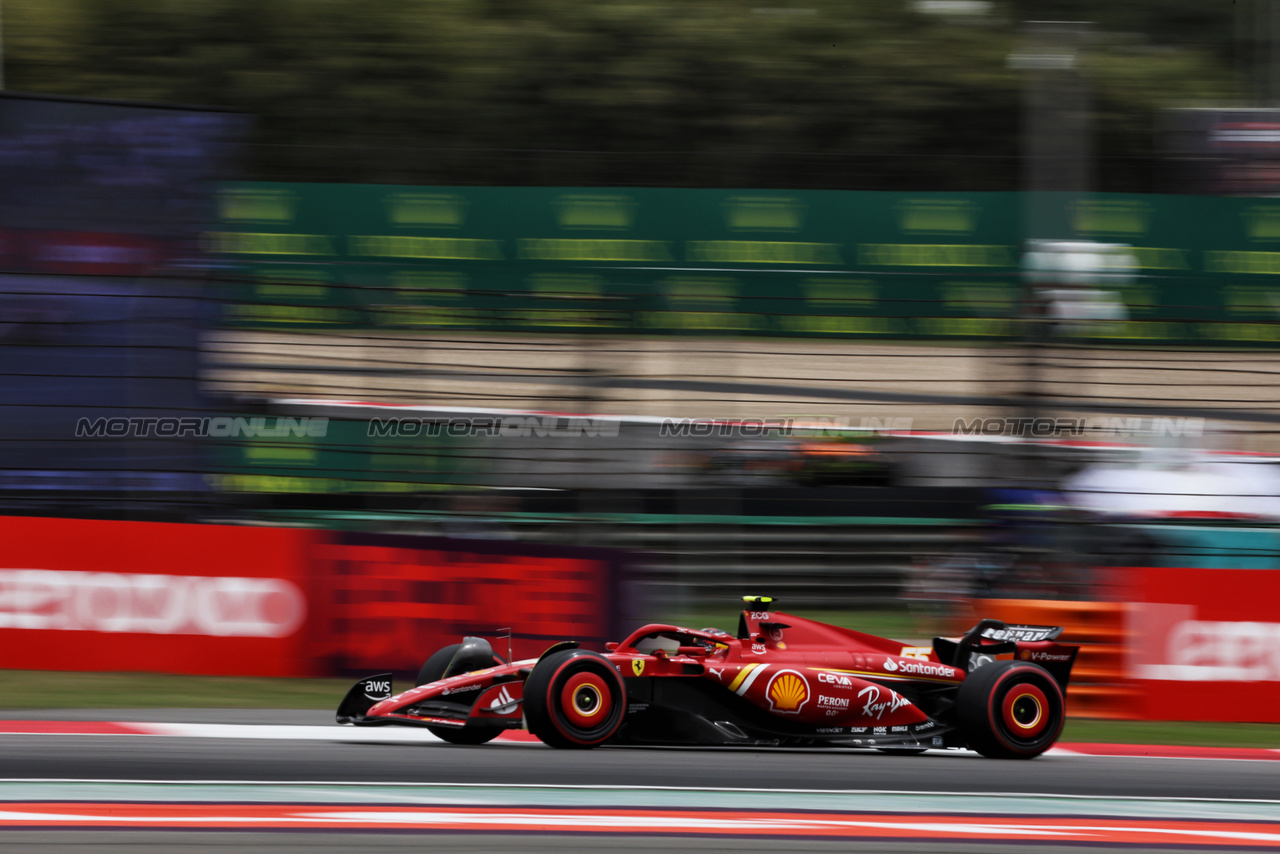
(377, 689)
(788, 691)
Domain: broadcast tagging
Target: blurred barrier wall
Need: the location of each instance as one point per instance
(90, 595)
(1204, 644)
(713, 262)
(388, 602)
(1188, 644)
(94, 595)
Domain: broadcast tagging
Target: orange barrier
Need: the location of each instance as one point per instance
(1099, 686)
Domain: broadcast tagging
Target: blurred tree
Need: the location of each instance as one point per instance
(814, 93)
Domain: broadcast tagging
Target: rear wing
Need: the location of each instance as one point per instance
(1036, 644)
(998, 631)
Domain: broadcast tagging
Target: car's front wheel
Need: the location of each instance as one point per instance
(574, 698)
(432, 671)
(1010, 710)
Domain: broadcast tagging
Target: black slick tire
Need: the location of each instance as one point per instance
(431, 671)
(1010, 710)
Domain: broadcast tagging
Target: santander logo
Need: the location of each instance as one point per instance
(913, 667)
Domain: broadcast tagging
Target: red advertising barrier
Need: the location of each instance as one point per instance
(254, 601)
(96, 595)
(94, 253)
(1205, 643)
(387, 602)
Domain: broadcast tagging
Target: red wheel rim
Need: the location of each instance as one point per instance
(1025, 711)
(586, 700)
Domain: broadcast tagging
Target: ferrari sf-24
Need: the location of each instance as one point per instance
(782, 680)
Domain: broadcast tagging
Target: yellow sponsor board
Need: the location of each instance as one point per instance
(265, 243)
(762, 252)
(1253, 263)
(257, 205)
(581, 318)
(592, 249)
(594, 211)
(972, 327)
(1240, 331)
(937, 216)
(764, 213)
(426, 210)
(936, 255)
(703, 321)
(330, 485)
(1160, 257)
(436, 248)
(292, 454)
(834, 324)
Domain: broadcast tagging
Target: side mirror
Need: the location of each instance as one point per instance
(611, 646)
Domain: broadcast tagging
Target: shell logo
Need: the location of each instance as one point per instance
(788, 691)
(1026, 655)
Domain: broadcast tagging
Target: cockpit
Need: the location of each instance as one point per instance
(674, 640)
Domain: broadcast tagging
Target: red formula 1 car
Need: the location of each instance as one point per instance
(783, 680)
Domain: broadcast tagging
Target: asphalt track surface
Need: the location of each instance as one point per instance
(118, 758)
(185, 759)
(124, 758)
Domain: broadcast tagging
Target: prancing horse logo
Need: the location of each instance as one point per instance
(637, 665)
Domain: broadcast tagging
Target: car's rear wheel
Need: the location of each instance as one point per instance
(433, 670)
(1010, 710)
(574, 698)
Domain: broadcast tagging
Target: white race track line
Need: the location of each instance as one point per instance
(335, 734)
(281, 732)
